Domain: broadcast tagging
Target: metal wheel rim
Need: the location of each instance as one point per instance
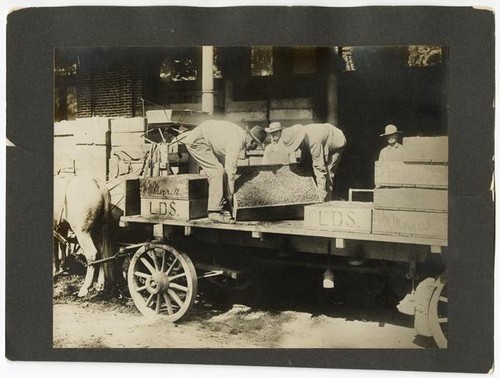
(162, 282)
(438, 313)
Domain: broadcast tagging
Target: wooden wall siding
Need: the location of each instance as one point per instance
(286, 111)
(291, 111)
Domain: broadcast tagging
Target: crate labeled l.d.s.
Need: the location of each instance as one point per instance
(341, 216)
(174, 208)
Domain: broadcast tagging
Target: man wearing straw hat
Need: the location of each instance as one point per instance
(394, 150)
(321, 145)
(216, 145)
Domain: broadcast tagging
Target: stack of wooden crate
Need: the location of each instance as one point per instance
(411, 197)
(82, 146)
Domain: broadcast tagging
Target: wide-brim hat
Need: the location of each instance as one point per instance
(273, 127)
(293, 136)
(390, 129)
(258, 134)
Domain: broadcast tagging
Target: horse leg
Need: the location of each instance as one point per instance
(100, 278)
(90, 252)
(57, 263)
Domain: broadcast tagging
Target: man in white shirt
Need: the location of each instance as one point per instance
(394, 150)
(321, 145)
(216, 145)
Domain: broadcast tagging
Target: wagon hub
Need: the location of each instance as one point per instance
(157, 283)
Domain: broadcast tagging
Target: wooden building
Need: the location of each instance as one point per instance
(360, 89)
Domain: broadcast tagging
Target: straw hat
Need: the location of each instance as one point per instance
(390, 129)
(293, 136)
(273, 127)
(258, 134)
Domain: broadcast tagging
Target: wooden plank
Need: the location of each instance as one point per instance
(127, 125)
(247, 106)
(255, 160)
(400, 174)
(174, 208)
(159, 116)
(185, 187)
(63, 128)
(269, 213)
(411, 199)
(291, 103)
(290, 227)
(425, 149)
(410, 223)
(246, 116)
(293, 114)
(339, 216)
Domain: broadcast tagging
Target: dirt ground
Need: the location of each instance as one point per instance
(272, 313)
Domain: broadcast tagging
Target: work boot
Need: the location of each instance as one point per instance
(220, 218)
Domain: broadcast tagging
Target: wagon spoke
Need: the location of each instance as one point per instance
(175, 297)
(443, 299)
(140, 288)
(150, 299)
(158, 303)
(148, 265)
(163, 259)
(168, 303)
(171, 266)
(153, 256)
(143, 275)
(178, 287)
(443, 320)
(177, 276)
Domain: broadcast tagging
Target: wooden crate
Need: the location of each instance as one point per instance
(183, 187)
(339, 216)
(410, 223)
(90, 131)
(411, 199)
(64, 145)
(426, 149)
(273, 192)
(128, 125)
(400, 174)
(174, 208)
(127, 139)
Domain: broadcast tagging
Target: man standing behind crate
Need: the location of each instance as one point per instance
(216, 145)
(394, 150)
(321, 145)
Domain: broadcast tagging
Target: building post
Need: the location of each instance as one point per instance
(332, 99)
(207, 80)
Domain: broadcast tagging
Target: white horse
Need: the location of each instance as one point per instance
(84, 205)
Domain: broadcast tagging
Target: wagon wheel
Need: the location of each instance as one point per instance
(162, 282)
(438, 312)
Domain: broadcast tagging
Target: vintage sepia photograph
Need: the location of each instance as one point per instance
(251, 197)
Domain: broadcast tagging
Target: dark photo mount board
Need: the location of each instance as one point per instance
(32, 35)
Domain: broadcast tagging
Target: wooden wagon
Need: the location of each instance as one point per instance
(163, 273)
